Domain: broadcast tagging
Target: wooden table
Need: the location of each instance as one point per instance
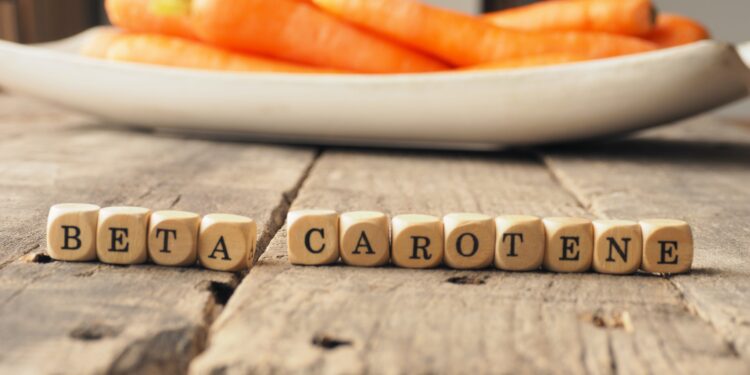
(91, 318)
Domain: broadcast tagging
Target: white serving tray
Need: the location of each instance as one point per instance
(462, 110)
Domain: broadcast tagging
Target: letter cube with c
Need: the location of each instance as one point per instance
(173, 238)
(71, 232)
(121, 235)
(227, 242)
(570, 244)
(417, 241)
(469, 241)
(313, 237)
(365, 240)
(667, 246)
(520, 243)
(618, 246)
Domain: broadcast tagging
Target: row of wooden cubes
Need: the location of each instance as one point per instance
(475, 241)
(133, 235)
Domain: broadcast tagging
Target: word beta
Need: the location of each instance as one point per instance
(475, 241)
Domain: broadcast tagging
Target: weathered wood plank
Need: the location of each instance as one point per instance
(700, 172)
(337, 319)
(92, 318)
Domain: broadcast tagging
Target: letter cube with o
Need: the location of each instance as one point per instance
(121, 235)
(667, 246)
(71, 232)
(313, 237)
(570, 244)
(469, 240)
(227, 242)
(520, 243)
(173, 238)
(417, 241)
(365, 238)
(618, 246)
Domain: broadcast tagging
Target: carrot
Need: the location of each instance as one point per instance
(98, 43)
(464, 40)
(530, 61)
(629, 17)
(139, 16)
(673, 30)
(177, 52)
(295, 31)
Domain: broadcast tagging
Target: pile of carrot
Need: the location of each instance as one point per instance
(380, 36)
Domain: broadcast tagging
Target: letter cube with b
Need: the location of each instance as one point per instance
(667, 246)
(313, 237)
(618, 246)
(71, 232)
(121, 235)
(365, 238)
(469, 240)
(173, 238)
(570, 244)
(227, 242)
(520, 243)
(417, 241)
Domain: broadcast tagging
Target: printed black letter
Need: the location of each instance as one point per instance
(416, 246)
(622, 251)
(474, 244)
(167, 232)
(119, 235)
(569, 251)
(75, 237)
(307, 240)
(220, 247)
(513, 237)
(363, 242)
(667, 251)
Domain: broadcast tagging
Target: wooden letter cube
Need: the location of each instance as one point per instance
(520, 243)
(227, 242)
(417, 241)
(173, 238)
(71, 232)
(121, 235)
(365, 240)
(570, 244)
(618, 246)
(313, 237)
(667, 246)
(469, 240)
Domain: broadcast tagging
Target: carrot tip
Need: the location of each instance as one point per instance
(170, 7)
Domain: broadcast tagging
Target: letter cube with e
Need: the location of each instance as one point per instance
(227, 242)
(173, 238)
(469, 240)
(520, 243)
(417, 241)
(667, 246)
(365, 238)
(121, 235)
(313, 237)
(570, 244)
(71, 231)
(618, 246)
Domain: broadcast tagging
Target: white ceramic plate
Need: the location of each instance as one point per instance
(472, 109)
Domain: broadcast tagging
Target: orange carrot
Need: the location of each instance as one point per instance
(629, 17)
(98, 43)
(673, 30)
(295, 31)
(530, 61)
(138, 16)
(184, 53)
(464, 40)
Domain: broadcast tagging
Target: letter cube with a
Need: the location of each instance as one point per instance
(469, 240)
(570, 244)
(121, 235)
(71, 232)
(618, 246)
(173, 238)
(417, 241)
(227, 242)
(520, 243)
(667, 246)
(365, 238)
(313, 237)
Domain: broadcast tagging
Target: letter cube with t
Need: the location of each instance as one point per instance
(417, 241)
(365, 238)
(570, 244)
(667, 246)
(469, 240)
(71, 231)
(121, 235)
(313, 237)
(227, 242)
(520, 243)
(173, 238)
(618, 246)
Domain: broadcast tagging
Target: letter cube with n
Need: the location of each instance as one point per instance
(227, 242)
(71, 232)
(365, 238)
(121, 235)
(313, 237)
(667, 246)
(469, 240)
(618, 246)
(417, 241)
(173, 238)
(570, 244)
(520, 243)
